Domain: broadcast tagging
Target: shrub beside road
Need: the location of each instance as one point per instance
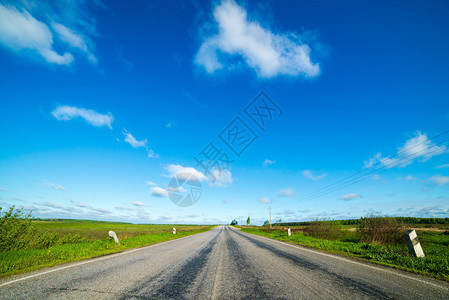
(378, 240)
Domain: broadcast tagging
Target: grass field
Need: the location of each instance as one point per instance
(434, 243)
(56, 242)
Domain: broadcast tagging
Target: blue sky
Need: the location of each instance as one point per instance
(104, 102)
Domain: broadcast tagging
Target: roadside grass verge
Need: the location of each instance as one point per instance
(435, 246)
(27, 245)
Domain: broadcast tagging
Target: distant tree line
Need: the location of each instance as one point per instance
(406, 220)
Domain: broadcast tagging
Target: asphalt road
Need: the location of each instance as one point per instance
(221, 264)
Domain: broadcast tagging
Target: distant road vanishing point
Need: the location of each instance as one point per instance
(222, 263)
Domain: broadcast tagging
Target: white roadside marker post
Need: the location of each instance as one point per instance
(414, 247)
(112, 235)
(289, 232)
(174, 230)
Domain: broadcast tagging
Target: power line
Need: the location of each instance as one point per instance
(400, 161)
(363, 170)
(366, 176)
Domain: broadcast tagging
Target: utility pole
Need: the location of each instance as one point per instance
(270, 216)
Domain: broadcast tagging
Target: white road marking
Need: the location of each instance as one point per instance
(351, 261)
(94, 260)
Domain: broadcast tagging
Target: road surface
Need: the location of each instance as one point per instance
(223, 263)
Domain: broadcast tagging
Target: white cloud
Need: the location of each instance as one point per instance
(67, 113)
(100, 211)
(267, 162)
(150, 183)
(138, 204)
(265, 200)
(185, 173)
(288, 192)
(434, 211)
(22, 32)
(178, 189)
(74, 39)
(51, 204)
(159, 192)
(442, 166)
(221, 178)
(125, 208)
(309, 174)
(268, 53)
(418, 148)
(19, 30)
(351, 196)
(409, 177)
(218, 177)
(130, 139)
(53, 185)
(440, 180)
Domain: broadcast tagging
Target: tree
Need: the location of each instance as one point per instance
(266, 223)
(234, 222)
(248, 221)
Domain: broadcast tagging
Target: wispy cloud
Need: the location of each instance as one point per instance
(288, 192)
(265, 200)
(150, 183)
(51, 204)
(351, 196)
(74, 39)
(268, 53)
(139, 204)
(53, 185)
(124, 208)
(440, 180)
(309, 174)
(67, 113)
(267, 162)
(3, 190)
(19, 30)
(442, 166)
(22, 32)
(130, 139)
(418, 148)
(100, 211)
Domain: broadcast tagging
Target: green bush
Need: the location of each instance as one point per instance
(15, 229)
(328, 230)
(381, 230)
(17, 232)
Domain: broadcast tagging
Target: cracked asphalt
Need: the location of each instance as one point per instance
(222, 263)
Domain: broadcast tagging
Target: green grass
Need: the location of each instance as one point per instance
(98, 230)
(435, 246)
(73, 240)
